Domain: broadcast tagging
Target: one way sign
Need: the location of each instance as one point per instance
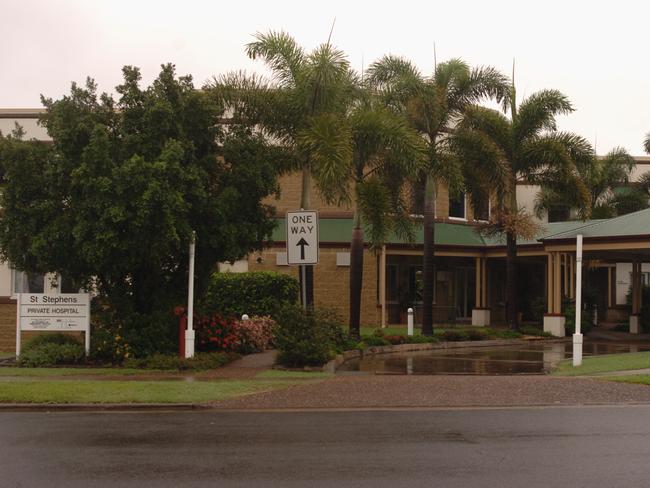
(302, 237)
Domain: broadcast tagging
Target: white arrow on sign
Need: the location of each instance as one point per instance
(302, 237)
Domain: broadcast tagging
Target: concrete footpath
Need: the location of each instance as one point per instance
(380, 391)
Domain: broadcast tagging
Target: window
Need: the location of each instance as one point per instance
(559, 214)
(457, 207)
(482, 210)
(24, 282)
(27, 282)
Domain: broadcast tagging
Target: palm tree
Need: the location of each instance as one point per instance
(381, 154)
(307, 92)
(605, 179)
(433, 105)
(646, 143)
(536, 152)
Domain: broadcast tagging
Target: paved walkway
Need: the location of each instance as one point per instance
(443, 391)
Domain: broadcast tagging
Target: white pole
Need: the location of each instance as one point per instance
(409, 322)
(18, 324)
(189, 333)
(577, 337)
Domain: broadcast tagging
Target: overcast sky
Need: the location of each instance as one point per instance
(594, 52)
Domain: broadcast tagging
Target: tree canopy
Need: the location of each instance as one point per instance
(112, 202)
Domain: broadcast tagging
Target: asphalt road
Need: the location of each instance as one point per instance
(592, 446)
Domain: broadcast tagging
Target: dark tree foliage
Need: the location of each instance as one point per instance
(113, 201)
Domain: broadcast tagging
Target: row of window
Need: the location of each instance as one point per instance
(24, 282)
(457, 206)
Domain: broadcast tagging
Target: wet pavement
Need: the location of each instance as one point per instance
(521, 358)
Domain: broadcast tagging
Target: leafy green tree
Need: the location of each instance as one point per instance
(432, 105)
(604, 179)
(113, 201)
(307, 92)
(534, 151)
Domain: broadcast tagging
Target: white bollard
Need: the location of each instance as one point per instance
(577, 349)
(245, 317)
(409, 329)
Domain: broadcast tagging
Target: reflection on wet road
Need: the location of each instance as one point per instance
(533, 358)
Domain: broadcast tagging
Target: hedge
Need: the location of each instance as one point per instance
(255, 293)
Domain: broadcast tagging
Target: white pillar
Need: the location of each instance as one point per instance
(577, 337)
(409, 322)
(189, 333)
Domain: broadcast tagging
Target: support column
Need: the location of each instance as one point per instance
(572, 277)
(553, 320)
(481, 312)
(635, 319)
(565, 275)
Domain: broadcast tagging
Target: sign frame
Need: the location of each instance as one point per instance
(52, 312)
(313, 239)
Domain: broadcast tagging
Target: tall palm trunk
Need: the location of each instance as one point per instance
(511, 281)
(428, 258)
(356, 276)
(511, 263)
(305, 204)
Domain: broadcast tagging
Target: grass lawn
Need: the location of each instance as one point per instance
(132, 391)
(36, 372)
(640, 379)
(297, 375)
(605, 364)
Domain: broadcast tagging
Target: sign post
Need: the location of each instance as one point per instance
(302, 243)
(53, 313)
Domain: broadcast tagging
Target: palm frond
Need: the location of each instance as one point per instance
(646, 143)
(281, 52)
(491, 123)
(538, 112)
(327, 141)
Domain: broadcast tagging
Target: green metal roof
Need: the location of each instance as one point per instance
(447, 234)
(632, 224)
(340, 231)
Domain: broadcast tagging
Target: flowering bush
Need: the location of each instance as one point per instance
(216, 333)
(255, 334)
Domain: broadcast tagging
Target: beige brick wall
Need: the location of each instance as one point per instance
(7, 327)
(291, 189)
(331, 282)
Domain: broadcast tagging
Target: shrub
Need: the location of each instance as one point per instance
(200, 361)
(534, 331)
(451, 335)
(476, 334)
(308, 338)
(116, 337)
(396, 339)
(255, 334)
(257, 293)
(504, 333)
(570, 318)
(216, 333)
(375, 341)
(51, 350)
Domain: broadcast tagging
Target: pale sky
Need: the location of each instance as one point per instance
(595, 52)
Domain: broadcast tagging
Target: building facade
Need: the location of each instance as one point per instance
(469, 267)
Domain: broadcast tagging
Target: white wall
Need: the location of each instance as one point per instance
(526, 198)
(31, 127)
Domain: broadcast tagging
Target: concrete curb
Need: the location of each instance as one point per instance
(335, 363)
(100, 407)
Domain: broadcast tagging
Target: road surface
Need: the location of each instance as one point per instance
(595, 446)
